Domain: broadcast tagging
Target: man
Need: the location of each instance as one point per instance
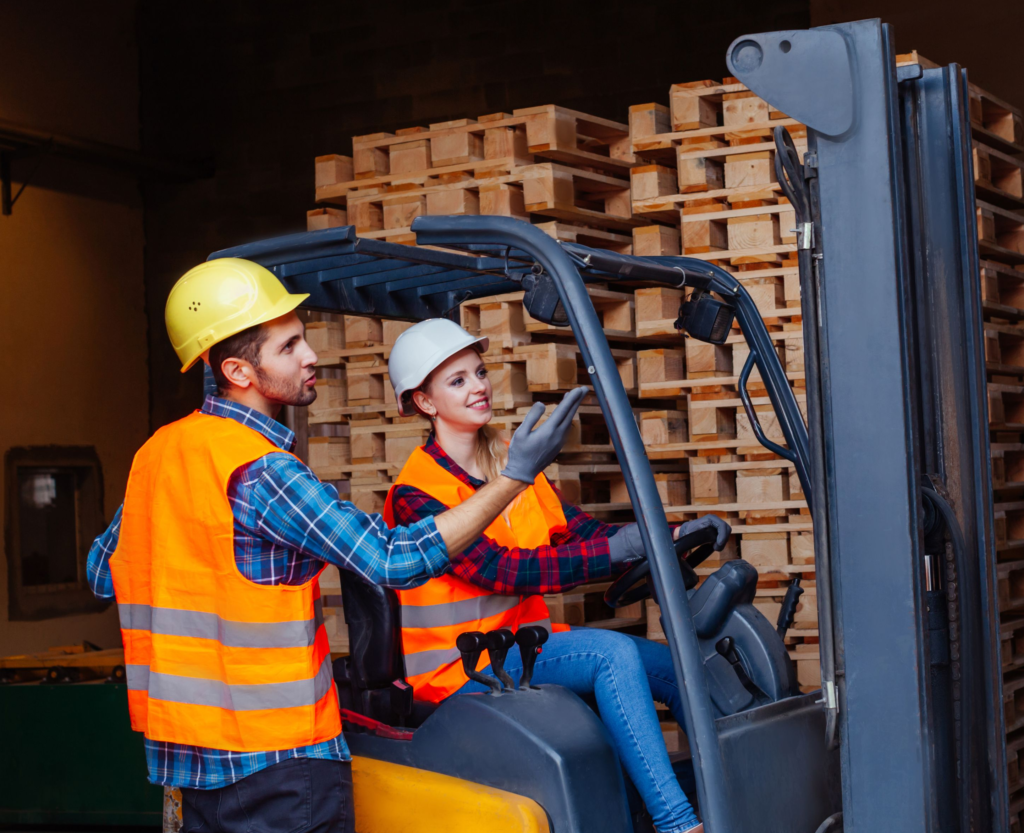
(214, 559)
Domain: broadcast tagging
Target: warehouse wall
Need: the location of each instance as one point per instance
(72, 322)
(982, 36)
(264, 88)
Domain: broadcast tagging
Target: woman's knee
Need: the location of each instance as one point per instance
(616, 650)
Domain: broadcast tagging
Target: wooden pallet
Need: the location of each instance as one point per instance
(1000, 233)
(1002, 291)
(998, 177)
(584, 605)
(995, 122)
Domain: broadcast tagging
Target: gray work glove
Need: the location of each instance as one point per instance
(534, 449)
(626, 546)
(721, 527)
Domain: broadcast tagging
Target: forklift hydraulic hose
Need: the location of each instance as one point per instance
(789, 173)
(833, 823)
(968, 656)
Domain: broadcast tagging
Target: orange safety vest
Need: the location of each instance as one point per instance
(435, 613)
(212, 659)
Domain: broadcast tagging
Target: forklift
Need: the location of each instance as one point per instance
(906, 734)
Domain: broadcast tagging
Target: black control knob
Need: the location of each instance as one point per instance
(471, 644)
(498, 643)
(529, 640)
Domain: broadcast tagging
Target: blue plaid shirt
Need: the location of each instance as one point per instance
(287, 524)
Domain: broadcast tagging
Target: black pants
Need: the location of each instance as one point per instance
(300, 795)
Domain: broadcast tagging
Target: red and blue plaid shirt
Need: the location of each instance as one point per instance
(286, 525)
(576, 556)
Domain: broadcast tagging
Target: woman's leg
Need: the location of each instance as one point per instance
(609, 665)
(661, 675)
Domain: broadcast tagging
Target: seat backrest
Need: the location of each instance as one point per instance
(733, 584)
(374, 619)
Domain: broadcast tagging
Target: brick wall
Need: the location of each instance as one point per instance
(263, 88)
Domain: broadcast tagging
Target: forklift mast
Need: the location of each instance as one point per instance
(893, 457)
(898, 426)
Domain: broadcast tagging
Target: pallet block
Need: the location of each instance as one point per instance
(663, 427)
(656, 241)
(323, 218)
(503, 199)
(330, 171)
(648, 120)
(363, 331)
(369, 161)
(505, 138)
(328, 452)
(324, 336)
(659, 371)
(455, 147)
(657, 309)
(331, 395)
(696, 104)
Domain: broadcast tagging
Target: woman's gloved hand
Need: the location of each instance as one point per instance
(626, 546)
(722, 529)
(534, 449)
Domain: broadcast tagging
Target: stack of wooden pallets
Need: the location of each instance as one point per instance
(998, 134)
(566, 171)
(705, 180)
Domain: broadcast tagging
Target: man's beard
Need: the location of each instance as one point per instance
(285, 391)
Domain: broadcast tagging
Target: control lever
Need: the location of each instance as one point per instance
(788, 609)
(498, 643)
(727, 648)
(529, 640)
(471, 644)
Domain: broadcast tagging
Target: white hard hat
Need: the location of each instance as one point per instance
(422, 348)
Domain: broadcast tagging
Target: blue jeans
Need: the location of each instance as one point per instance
(625, 674)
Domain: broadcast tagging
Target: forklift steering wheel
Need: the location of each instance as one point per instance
(636, 583)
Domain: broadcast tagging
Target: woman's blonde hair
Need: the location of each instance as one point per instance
(491, 451)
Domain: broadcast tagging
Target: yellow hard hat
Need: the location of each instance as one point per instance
(218, 299)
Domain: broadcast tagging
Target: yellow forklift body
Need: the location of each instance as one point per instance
(390, 798)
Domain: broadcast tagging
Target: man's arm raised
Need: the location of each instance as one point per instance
(531, 451)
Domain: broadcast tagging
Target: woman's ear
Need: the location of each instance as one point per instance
(423, 403)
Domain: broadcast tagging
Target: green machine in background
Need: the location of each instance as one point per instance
(70, 758)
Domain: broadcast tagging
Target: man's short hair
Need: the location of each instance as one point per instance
(245, 345)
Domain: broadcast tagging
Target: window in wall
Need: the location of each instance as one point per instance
(54, 511)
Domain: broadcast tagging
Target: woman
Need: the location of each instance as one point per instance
(539, 545)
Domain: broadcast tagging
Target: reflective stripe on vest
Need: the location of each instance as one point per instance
(170, 622)
(195, 691)
(434, 614)
(213, 659)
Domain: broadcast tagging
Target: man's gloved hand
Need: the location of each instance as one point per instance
(626, 546)
(534, 449)
(721, 527)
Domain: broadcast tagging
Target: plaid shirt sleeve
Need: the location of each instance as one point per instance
(579, 526)
(97, 565)
(513, 571)
(295, 510)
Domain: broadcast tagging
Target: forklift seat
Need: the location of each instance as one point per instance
(371, 679)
